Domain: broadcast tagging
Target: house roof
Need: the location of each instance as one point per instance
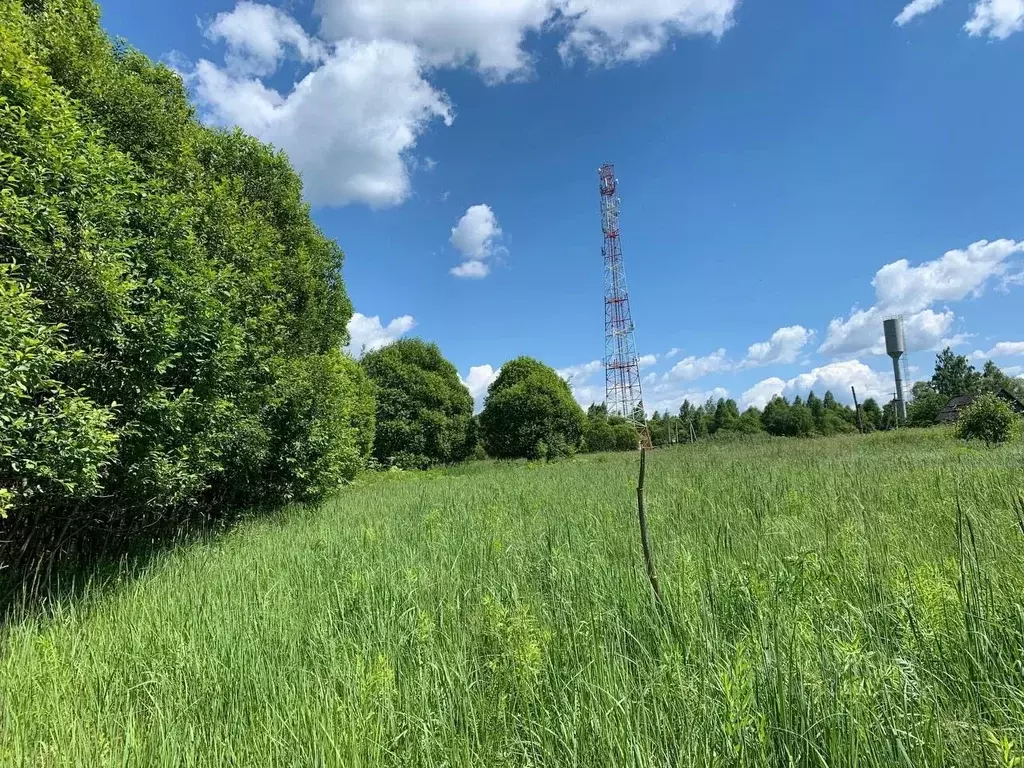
(952, 409)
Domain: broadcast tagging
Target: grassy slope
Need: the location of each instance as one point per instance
(821, 612)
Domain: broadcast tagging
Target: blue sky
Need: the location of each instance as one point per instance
(790, 172)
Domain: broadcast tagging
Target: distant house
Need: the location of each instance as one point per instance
(955, 406)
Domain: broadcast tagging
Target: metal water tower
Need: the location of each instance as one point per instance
(896, 348)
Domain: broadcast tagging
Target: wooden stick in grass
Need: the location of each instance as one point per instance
(644, 537)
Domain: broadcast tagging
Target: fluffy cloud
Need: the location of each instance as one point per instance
(258, 36)
(477, 382)
(996, 18)
(476, 236)
(902, 288)
(784, 346)
(580, 372)
(472, 269)
(646, 361)
(690, 368)
(348, 126)
(834, 377)
(490, 34)
(609, 31)
(1002, 349)
(916, 8)
(580, 379)
(367, 333)
(672, 352)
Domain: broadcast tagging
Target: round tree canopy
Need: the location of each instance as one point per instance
(423, 408)
(530, 413)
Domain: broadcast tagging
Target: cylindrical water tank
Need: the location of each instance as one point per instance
(895, 347)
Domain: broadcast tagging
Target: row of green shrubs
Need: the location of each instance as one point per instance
(171, 320)
(425, 413)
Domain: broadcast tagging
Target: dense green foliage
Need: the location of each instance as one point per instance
(988, 418)
(826, 605)
(781, 418)
(604, 433)
(954, 375)
(530, 413)
(54, 443)
(175, 316)
(424, 411)
(925, 405)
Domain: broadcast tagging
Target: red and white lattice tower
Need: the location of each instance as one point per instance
(623, 394)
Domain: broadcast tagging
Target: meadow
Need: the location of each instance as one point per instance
(852, 601)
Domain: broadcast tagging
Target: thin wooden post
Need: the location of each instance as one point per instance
(856, 405)
(644, 537)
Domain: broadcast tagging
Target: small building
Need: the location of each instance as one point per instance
(955, 406)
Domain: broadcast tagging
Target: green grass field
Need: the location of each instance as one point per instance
(842, 602)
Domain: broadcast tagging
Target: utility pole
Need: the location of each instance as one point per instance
(856, 405)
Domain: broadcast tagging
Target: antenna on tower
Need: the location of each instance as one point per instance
(623, 392)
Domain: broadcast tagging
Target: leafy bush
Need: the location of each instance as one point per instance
(186, 313)
(53, 441)
(530, 413)
(988, 418)
(423, 408)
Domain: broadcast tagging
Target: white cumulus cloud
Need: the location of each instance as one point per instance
(1002, 349)
(487, 34)
(759, 394)
(259, 36)
(784, 346)
(368, 333)
(476, 236)
(581, 372)
(610, 31)
(996, 18)
(478, 380)
(349, 126)
(690, 368)
(646, 361)
(911, 290)
(490, 35)
(916, 8)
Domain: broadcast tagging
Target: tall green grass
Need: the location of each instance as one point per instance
(844, 602)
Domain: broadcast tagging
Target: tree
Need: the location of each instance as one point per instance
(872, 413)
(188, 311)
(726, 414)
(988, 418)
(749, 423)
(954, 375)
(624, 434)
(925, 405)
(817, 409)
(776, 416)
(598, 435)
(801, 420)
(993, 379)
(423, 408)
(530, 413)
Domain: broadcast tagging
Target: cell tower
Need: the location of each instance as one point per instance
(623, 393)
